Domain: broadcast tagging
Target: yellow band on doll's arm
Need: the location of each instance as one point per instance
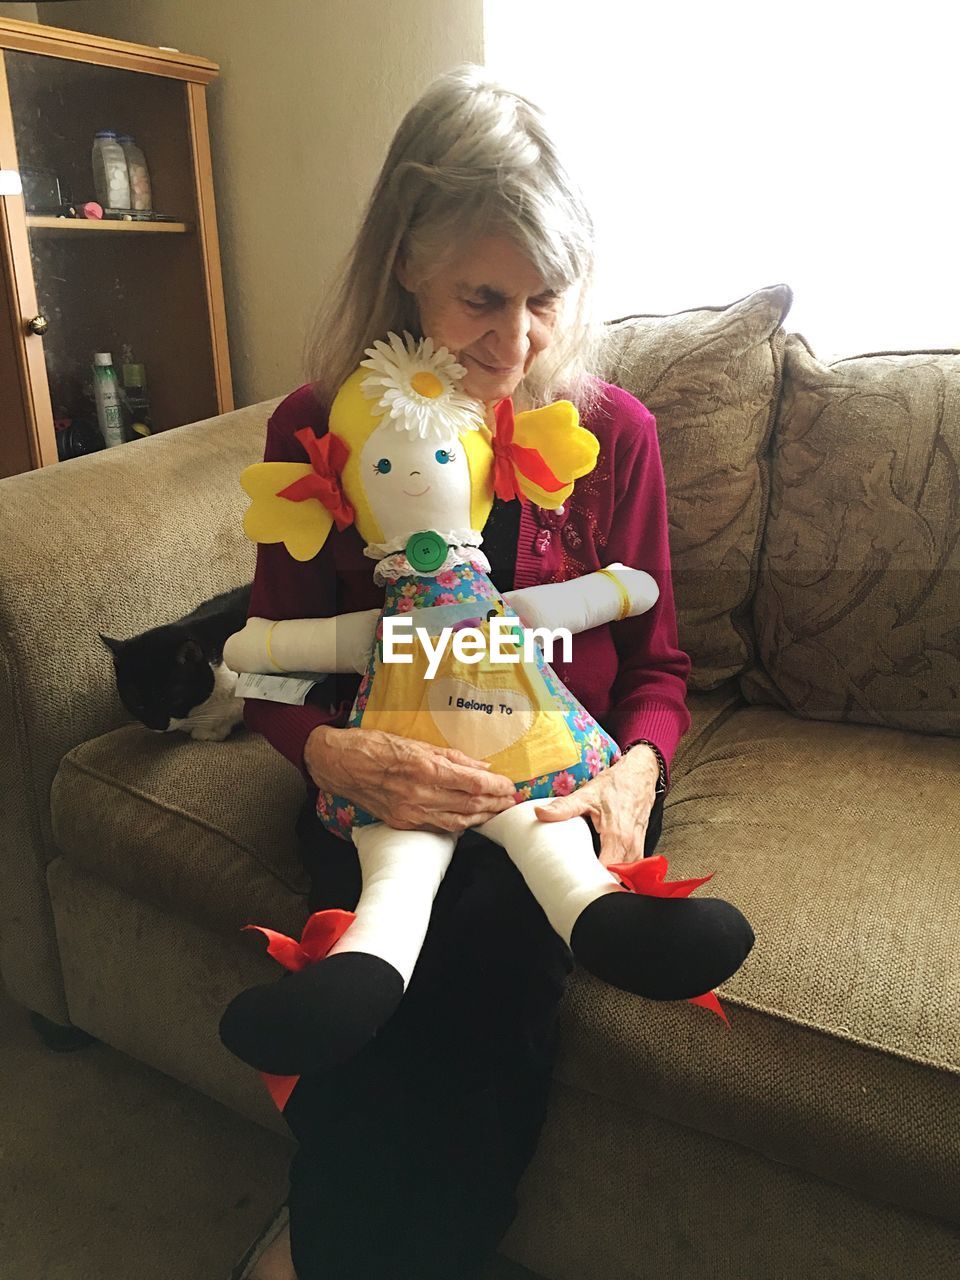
(270, 650)
(622, 591)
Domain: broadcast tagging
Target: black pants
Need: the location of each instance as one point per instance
(410, 1154)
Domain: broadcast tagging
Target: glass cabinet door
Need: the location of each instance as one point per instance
(133, 282)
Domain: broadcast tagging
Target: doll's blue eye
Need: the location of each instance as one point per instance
(383, 466)
(443, 455)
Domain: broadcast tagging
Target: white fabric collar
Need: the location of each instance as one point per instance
(395, 566)
(452, 537)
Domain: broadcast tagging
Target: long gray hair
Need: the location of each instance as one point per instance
(470, 158)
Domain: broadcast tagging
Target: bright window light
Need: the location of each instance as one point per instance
(724, 147)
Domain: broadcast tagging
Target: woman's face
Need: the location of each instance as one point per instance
(489, 306)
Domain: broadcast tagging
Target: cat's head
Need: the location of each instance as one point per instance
(161, 675)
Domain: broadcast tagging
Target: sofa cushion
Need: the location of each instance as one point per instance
(839, 843)
(857, 611)
(711, 377)
(707, 712)
(205, 830)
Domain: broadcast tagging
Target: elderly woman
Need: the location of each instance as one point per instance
(411, 1152)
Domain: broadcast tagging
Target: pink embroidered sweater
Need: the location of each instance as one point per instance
(631, 675)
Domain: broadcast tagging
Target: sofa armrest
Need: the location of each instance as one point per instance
(115, 542)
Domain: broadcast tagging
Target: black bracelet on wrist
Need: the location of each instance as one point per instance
(661, 788)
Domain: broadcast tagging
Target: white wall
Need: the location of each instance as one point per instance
(308, 99)
(25, 12)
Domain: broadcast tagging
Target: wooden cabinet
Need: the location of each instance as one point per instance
(71, 287)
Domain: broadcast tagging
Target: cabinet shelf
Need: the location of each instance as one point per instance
(150, 287)
(77, 226)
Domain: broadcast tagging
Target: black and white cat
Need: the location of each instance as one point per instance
(174, 677)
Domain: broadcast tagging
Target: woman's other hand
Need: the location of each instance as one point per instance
(409, 785)
(618, 802)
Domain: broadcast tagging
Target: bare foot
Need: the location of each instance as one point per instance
(275, 1263)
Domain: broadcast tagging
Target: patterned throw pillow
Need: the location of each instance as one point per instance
(857, 611)
(711, 377)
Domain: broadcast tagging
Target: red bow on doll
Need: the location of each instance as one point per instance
(327, 455)
(646, 875)
(509, 458)
(320, 932)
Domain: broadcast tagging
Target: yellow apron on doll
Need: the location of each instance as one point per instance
(501, 713)
(519, 717)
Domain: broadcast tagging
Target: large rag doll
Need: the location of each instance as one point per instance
(409, 458)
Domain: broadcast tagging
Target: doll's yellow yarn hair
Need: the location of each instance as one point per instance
(568, 450)
(303, 527)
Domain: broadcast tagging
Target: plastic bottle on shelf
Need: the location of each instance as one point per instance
(106, 390)
(141, 196)
(110, 178)
(137, 401)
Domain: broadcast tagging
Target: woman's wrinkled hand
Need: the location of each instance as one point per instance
(618, 802)
(407, 784)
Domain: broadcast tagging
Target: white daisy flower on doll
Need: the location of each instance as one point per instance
(418, 388)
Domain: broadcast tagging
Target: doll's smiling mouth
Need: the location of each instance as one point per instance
(416, 495)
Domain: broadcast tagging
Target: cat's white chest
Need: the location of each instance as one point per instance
(215, 719)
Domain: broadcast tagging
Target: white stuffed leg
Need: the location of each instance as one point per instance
(401, 871)
(659, 947)
(556, 859)
(327, 1011)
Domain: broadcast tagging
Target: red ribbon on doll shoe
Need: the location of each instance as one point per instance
(321, 931)
(328, 455)
(509, 458)
(647, 875)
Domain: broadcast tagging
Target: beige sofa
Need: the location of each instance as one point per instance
(815, 529)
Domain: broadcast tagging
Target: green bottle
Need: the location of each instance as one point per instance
(139, 422)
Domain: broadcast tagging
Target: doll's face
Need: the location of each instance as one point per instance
(414, 484)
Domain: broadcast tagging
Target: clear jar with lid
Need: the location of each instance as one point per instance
(110, 179)
(141, 196)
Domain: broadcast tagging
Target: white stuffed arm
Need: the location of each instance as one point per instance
(586, 602)
(303, 644)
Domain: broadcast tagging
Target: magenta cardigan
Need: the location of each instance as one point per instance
(631, 676)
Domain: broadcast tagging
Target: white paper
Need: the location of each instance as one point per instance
(291, 689)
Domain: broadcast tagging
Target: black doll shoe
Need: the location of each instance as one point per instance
(315, 1017)
(661, 948)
